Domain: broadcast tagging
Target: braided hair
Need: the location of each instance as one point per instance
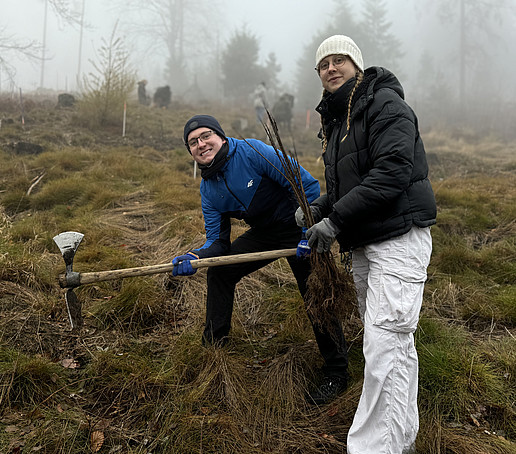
(359, 77)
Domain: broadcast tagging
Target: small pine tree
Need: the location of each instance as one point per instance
(240, 65)
(378, 45)
(105, 90)
(240, 70)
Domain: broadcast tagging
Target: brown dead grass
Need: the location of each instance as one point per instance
(152, 387)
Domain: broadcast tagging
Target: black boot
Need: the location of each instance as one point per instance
(329, 388)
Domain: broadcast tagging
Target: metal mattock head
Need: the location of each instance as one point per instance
(68, 242)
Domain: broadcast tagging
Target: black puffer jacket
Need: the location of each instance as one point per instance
(376, 173)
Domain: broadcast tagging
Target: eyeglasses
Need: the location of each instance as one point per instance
(192, 143)
(337, 61)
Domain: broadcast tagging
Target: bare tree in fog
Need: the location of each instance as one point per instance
(477, 22)
(12, 48)
(178, 31)
(62, 10)
(32, 50)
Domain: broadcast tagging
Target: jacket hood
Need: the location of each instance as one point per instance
(383, 78)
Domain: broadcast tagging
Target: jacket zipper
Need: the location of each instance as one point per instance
(233, 194)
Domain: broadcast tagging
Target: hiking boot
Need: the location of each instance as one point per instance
(328, 389)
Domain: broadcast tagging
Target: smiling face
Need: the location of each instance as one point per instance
(335, 71)
(204, 145)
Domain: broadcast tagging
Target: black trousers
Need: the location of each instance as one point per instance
(222, 281)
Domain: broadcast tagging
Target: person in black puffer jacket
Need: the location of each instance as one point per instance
(379, 205)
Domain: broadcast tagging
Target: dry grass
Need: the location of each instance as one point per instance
(138, 374)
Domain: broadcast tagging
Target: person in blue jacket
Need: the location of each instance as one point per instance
(241, 180)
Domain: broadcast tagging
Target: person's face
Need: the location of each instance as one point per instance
(335, 71)
(204, 145)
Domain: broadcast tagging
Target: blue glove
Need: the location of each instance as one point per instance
(323, 233)
(182, 265)
(303, 250)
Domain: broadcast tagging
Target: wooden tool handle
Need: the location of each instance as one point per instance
(87, 278)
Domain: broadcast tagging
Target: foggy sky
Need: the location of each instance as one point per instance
(281, 26)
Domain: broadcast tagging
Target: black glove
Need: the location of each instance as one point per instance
(323, 233)
(182, 265)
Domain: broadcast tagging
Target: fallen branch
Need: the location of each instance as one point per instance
(33, 185)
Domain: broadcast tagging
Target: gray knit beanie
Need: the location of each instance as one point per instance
(340, 44)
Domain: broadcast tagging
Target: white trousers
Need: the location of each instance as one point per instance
(389, 277)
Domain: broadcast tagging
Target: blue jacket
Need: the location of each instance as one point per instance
(248, 187)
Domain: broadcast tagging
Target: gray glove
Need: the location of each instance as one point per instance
(323, 233)
(300, 216)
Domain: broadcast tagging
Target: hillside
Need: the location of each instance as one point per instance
(136, 379)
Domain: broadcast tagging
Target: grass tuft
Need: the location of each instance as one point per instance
(28, 381)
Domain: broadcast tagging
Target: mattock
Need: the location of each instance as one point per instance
(68, 242)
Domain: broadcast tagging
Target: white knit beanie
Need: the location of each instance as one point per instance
(340, 44)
